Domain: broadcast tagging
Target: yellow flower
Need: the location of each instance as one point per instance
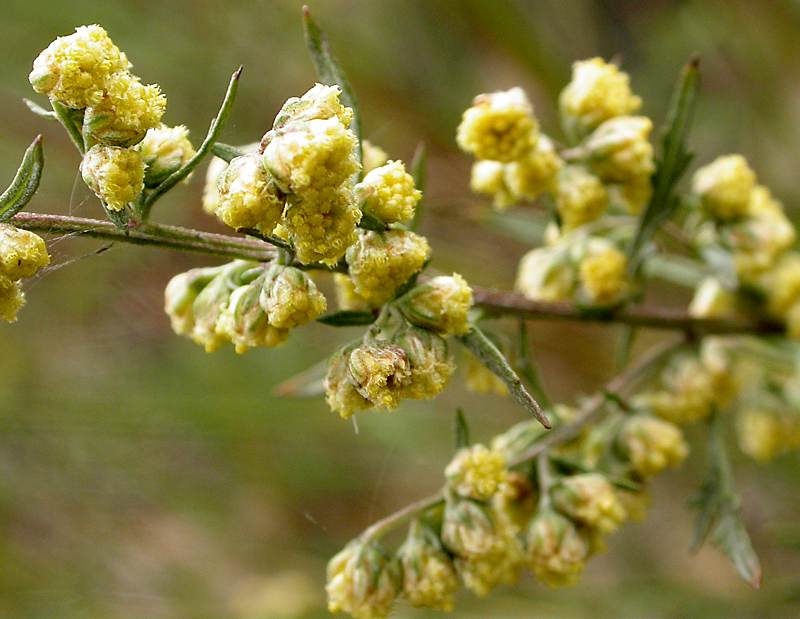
(210, 304)
(476, 472)
(580, 197)
(604, 273)
(598, 91)
(382, 262)
(373, 156)
(22, 253)
(724, 187)
(712, 300)
(652, 444)
(429, 576)
(116, 175)
(535, 173)
(499, 126)
(441, 304)
(125, 112)
(389, 193)
(631, 196)
(546, 274)
(590, 499)
(556, 550)
(362, 582)
(340, 392)
(346, 296)
(380, 374)
(320, 102)
(245, 322)
(180, 295)
(291, 298)
(431, 363)
(11, 299)
(247, 196)
(619, 149)
(489, 178)
(165, 150)
(74, 69)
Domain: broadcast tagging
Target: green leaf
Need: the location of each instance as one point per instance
(39, 110)
(528, 369)
(72, 121)
(419, 172)
(719, 517)
(487, 353)
(121, 219)
(25, 183)
(309, 383)
(674, 160)
(329, 71)
(347, 318)
(371, 222)
(625, 341)
(211, 137)
(462, 430)
(226, 151)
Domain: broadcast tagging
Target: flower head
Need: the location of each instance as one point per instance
(22, 253)
(389, 193)
(619, 149)
(180, 295)
(580, 197)
(724, 187)
(556, 549)
(652, 444)
(320, 102)
(165, 150)
(346, 296)
(362, 581)
(429, 576)
(430, 360)
(291, 298)
(441, 304)
(590, 499)
(340, 392)
(476, 472)
(536, 172)
(380, 373)
(247, 196)
(603, 273)
(116, 175)
(11, 299)
(489, 178)
(630, 196)
(546, 274)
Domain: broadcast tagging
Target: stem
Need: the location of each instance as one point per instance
(385, 525)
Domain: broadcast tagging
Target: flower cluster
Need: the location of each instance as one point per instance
(22, 255)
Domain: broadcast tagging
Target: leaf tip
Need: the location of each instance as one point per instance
(306, 12)
(238, 73)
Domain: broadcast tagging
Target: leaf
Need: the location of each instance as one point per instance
(527, 367)
(419, 172)
(347, 318)
(39, 110)
(226, 151)
(121, 219)
(211, 137)
(25, 183)
(487, 353)
(309, 383)
(371, 222)
(72, 121)
(462, 430)
(624, 345)
(329, 71)
(718, 506)
(674, 160)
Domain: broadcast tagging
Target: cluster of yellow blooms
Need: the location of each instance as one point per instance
(497, 521)
(22, 255)
(127, 147)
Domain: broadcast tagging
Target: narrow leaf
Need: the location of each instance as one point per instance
(307, 384)
(25, 183)
(625, 341)
(72, 121)
(419, 171)
(488, 354)
(329, 71)
(39, 110)
(371, 222)
(462, 430)
(674, 160)
(527, 367)
(226, 151)
(347, 318)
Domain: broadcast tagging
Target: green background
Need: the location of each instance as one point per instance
(143, 478)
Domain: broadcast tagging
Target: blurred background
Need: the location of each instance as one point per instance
(141, 477)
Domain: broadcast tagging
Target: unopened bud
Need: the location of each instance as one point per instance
(556, 550)
(546, 274)
(604, 273)
(380, 373)
(340, 392)
(362, 581)
(429, 576)
(165, 150)
(22, 253)
(589, 498)
(320, 102)
(389, 193)
(180, 295)
(11, 299)
(725, 186)
(291, 298)
(536, 172)
(651, 444)
(441, 304)
(489, 178)
(114, 174)
(476, 472)
(580, 198)
(619, 149)
(247, 196)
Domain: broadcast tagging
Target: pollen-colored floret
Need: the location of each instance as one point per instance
(598, 91)
(725, 186)
(245, 322)
(372, 156)
(476, 472)
(489, 178)
(362, 581)
(652, 444)
(165, 150)
(590, 499)
(11, 299)
(534, 173)
(580, 197)
(125, 112)
(441, 304)
(380, 373)
(346, 296)
(546, 274)
(389, 193)
(320, 102)
(116, 175)
(499, 126)
(74, 69)
(247, 196)
(291, 298)
(603, 274)
(429, 576)
(556, 550)
(381, 262)
(340, 392)
(22, 253)
(619, 149)
(431, 363)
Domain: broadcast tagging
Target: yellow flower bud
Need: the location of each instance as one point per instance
(214, 172)
(598, 91)
(22, 253)
(604, 273)
(340, 392)
(290, 298)
(245, 322)
(373, 156)
(321, 102)
(165, 150)
(535, 173)
(382, 262)
(429, 576)
(724, 187)
(389, 193)
(765, 433)
(631, 196)
(74, 69)
(210, 304)
(489, 178)
(115, 175)
(431, 363)
(556, 550)
(247, 196)
(180, 295)
(546, 274)
(380, 373)
(126, 111)
(499, 126)
(441, 304)
(11, 299)
(712, 300)
(481, 380)
(580, 197)
(476, 472)
(346, 296)
(651, 444)
(619, 149)
(362, 581)
(590, 499)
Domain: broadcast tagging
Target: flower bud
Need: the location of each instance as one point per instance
(589, 498)
(468, 528)
(535, 173)
(440, 304)
(580, 197)
(320, 102)
(115, 175)
(488, 178)
(382, 262)
(244, 321)
(476, 472)
(604, 273)
(619, 150)
(216, 168)
(712, 300)
(499, 126)
(430, 360)
(630, 196)
(290, 298)
(11, 299)
(362, 581)
(389, 193)
(429, 577)
(372, 156)
(556, 550)
(765, 433)
(651, 444)
(22, 253)
(481, 380)
(546, 274)
(380, 373)
(598, 91)
(180, 295)
(126, 111)
(165, 150)
(247, 196)
(74, 69)
(724, 187)
(346, 296)
(340, 392)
